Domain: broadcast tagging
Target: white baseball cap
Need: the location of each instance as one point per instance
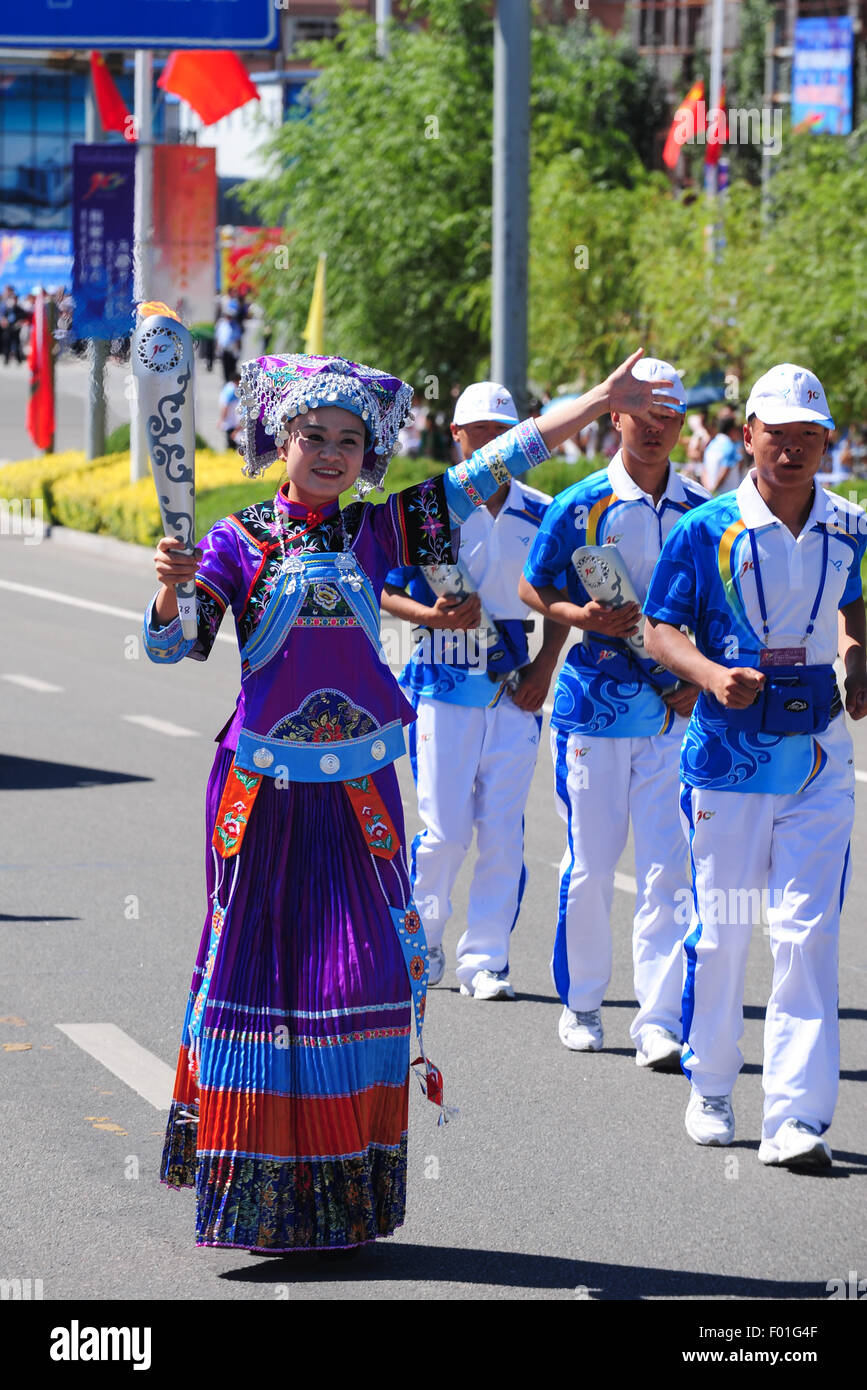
(485, 400)
(788, 394)
(653, 369)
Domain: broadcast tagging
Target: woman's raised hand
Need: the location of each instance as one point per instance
(629, 395)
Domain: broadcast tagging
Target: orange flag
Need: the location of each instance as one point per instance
(689, 119)
(112, 108)
(212, 82)
(716, 130)
(40, 406)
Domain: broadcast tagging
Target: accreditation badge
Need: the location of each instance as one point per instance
(783, 656)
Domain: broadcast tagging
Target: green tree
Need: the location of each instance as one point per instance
(585, 308)
(390, 174)
(692, 301)
(745, 81)
(787, 288)
(808, 300)
(594, 93)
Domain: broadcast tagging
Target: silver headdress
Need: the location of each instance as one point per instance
(274, 390)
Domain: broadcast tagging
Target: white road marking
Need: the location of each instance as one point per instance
(32, 683)
(860, 776)
(90, 605)
(160, 726)
(124, 1058)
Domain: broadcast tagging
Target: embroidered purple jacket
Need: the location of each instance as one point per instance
(318, 702)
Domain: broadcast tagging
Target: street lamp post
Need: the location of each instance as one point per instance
(511, 198)
(143, 233)
(97, 348)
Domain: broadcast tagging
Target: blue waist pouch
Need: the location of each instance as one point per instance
(793, 700)
(511, 651)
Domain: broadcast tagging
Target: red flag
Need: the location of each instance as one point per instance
(40, 406)
(689, 120)
(113, 113)
(213, 83)
(717, 133)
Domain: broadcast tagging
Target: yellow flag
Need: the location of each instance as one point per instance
(314, 333)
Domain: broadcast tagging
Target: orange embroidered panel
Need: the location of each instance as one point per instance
(236, 804)
(379, 833)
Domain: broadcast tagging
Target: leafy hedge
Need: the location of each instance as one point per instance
(36, 478)
(97, 495)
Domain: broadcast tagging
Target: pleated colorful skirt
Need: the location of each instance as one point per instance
(291, 1120)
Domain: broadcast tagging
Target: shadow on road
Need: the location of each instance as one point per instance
(31, 774)
(507, 1270)
(11, 917)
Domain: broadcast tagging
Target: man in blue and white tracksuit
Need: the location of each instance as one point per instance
(474, 745)
(615, 737)
(721, 461)
(768, 579)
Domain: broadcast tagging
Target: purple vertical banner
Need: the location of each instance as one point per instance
(103, 188)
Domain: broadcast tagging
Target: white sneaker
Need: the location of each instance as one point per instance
(490, 984)
(436, 964)
(581, 1032)
(710, 1119)
(795, 1145)
(660, 1049)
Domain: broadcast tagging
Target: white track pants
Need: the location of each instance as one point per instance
(473, 769)
(600, 783)
(795, 851)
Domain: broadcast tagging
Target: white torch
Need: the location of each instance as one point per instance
(162, 363)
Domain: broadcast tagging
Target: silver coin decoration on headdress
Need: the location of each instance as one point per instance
(275, 390)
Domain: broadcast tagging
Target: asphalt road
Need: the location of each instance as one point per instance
(566, 1175)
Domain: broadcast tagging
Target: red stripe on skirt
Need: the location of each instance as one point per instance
(290, 1127)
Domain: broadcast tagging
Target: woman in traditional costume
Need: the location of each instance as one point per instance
(289, 1113)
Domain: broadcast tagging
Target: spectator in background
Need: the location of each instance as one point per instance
(410, 437)
(720, 469)
(589, 440)
(696, 444)
(28, 305)
(227, 336)
(610, 439)
(11, 320)
(229, 419)
(571, 449)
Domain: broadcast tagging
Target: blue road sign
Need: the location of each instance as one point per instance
(147, 24)
(822, 74)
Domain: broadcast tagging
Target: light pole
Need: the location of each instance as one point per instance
(511, 197)
(143, 233)
(97, 348)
